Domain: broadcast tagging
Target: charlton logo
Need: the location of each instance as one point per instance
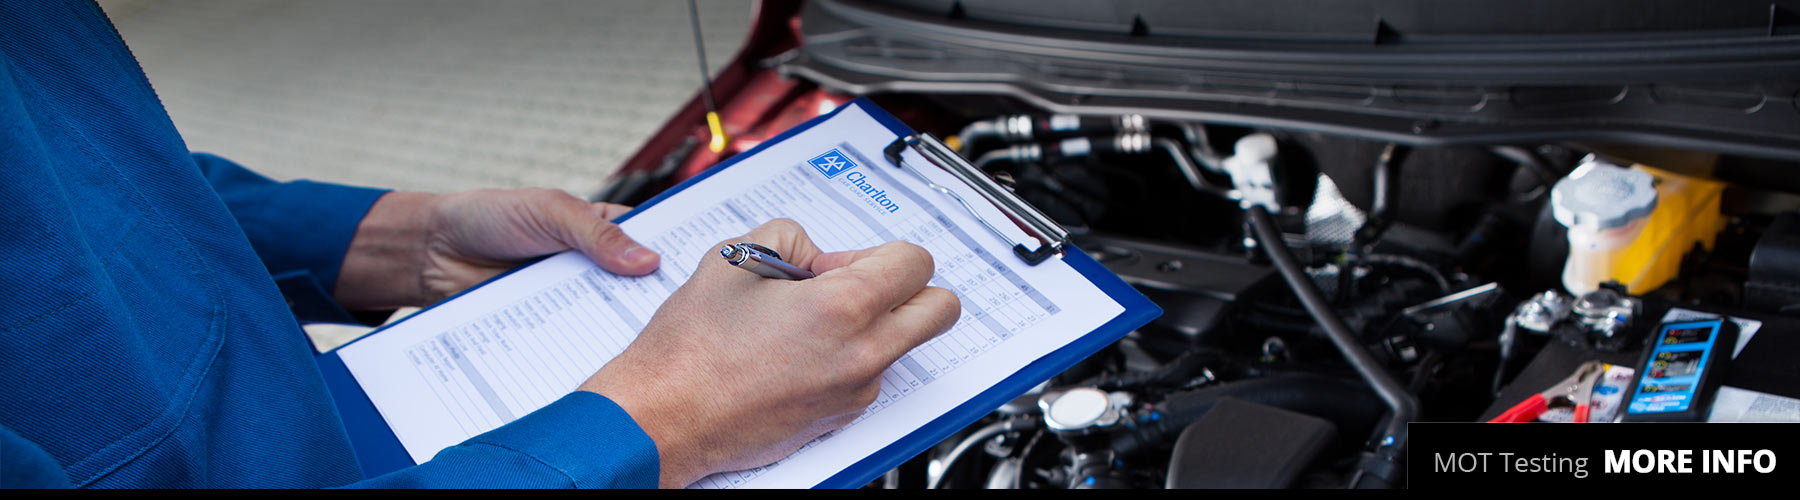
(832, 163)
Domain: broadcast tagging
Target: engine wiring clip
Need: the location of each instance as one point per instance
(1577, 390)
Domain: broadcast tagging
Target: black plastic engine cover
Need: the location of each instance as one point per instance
(1240, 444)
(1774, 283)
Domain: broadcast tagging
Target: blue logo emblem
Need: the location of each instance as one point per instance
(832, 163)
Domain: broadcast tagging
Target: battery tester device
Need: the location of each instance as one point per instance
(1681, 371)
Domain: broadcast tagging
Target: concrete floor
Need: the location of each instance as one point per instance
(426, 95)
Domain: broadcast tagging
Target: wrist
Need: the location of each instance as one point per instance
(382, 267)
(673, 425)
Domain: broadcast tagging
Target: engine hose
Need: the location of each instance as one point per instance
(1530, 160)
(1014, 129)
(976, 438)
(1133, 143)
(1403, 406)
(1387, 175)
(1005, 127)
(1509, 335)
(1420, 266)
(1348, 404)
(1011, 154)
(1174, 373)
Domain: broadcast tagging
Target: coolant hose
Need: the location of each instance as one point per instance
(1403, 406)
(1345, 403)
(976, 438)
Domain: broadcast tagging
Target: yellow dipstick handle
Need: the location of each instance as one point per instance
(718, 131)
(954, 142)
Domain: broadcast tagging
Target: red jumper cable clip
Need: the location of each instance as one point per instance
(1577, 390)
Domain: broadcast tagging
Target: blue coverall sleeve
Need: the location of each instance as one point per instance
(302, 229)
(25, 465)
(583, 440)
(298, 227)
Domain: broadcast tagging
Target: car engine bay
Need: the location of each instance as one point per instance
(1325, 280)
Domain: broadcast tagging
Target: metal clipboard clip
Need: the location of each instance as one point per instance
(1050, 236)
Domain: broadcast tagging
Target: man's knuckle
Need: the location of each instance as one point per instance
(909, 249)
(870, 361)
(944, 303)
(867, 395)
(782, 224)
(866, 302)
(850, 296)
(545, 193)
(843, 313)
(607, 232)
(919, 256)
(850, 373)
(908, 257)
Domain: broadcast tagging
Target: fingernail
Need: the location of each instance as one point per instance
(638, 256)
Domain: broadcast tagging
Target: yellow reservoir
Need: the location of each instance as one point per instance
(1687, 212)
(1632, 224)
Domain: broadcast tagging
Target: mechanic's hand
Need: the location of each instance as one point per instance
(415, 248)
(736, 370)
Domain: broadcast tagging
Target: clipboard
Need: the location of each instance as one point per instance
(379, 451)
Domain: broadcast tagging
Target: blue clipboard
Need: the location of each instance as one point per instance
(379, 452)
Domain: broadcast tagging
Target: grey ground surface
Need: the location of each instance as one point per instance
(427, 95)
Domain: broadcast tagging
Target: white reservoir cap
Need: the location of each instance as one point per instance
(1077, 409)
(1598, 196)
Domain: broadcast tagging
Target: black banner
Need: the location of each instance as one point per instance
(1637, 455)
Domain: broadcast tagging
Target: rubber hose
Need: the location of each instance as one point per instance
(1404, 406)
(1345, 403)
(980, 435)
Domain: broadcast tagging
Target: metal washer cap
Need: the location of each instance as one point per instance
(1595, 304)
(1601, 195)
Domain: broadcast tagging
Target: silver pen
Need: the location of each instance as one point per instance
(763, 261)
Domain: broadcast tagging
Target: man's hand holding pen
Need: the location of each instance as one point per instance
(791, 359)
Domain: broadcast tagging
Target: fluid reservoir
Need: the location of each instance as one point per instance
(1632, 225)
